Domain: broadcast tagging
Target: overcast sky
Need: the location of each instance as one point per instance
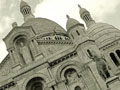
(107, 11)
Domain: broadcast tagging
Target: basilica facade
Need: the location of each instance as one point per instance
(44, 56)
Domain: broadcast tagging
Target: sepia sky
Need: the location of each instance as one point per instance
(107, 11)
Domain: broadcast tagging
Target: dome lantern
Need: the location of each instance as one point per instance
(26, 10)
(85, 15)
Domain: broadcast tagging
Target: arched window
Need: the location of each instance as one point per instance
(113, 57)
(77, 32)
(77, 88)
(118, 53)
(89, 52)
(72, 36)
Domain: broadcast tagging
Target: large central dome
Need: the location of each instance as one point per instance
(44, 26)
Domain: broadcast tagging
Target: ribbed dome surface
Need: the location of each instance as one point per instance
(23, 3)
(103, 33)
(82, 10)
(43, 26)
(72, 22)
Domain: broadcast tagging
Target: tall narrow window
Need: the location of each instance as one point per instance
(89, 52)
(77, 32)
(53, 88)
(85, 18)
(77, 88)
(118, 53)
(72, 36)
(88, 16)
(113, 57)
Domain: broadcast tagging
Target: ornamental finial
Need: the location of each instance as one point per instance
(79, 6)
(67, 16)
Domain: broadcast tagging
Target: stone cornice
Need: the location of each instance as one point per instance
(63, 58)
(109, 45)
(4, 60)
(8, 85)
(51, 34)
(54, 42)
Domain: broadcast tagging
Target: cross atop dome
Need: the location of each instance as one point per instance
(67, 16)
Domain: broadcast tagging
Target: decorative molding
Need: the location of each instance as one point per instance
(55, 62)
(51, 34)
(5, 59)
(42, 42)
(109, 45)
(53, 38)
(8, 85)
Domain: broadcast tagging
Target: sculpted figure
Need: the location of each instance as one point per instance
(71, 76)
(102, 67)
(25, 53)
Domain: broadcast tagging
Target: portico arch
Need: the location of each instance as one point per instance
(35, 82)
(67, 65)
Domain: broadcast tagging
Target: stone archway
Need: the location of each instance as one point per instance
(66, 65)
(36, 83)
(41, 80)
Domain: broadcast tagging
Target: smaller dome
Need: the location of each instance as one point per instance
(71, 23)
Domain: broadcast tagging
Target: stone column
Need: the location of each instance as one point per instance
(33, 50)
(36, 46)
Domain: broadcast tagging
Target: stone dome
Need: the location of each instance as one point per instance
(72, 22)
(103, 33)
(44, 26)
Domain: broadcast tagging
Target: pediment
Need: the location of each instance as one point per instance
(17, 31)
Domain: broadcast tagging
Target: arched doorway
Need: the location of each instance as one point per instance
(77, 88)
(35, 84)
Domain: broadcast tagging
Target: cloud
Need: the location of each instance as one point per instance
(113, 17)
(11, 9)
(56, 10)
